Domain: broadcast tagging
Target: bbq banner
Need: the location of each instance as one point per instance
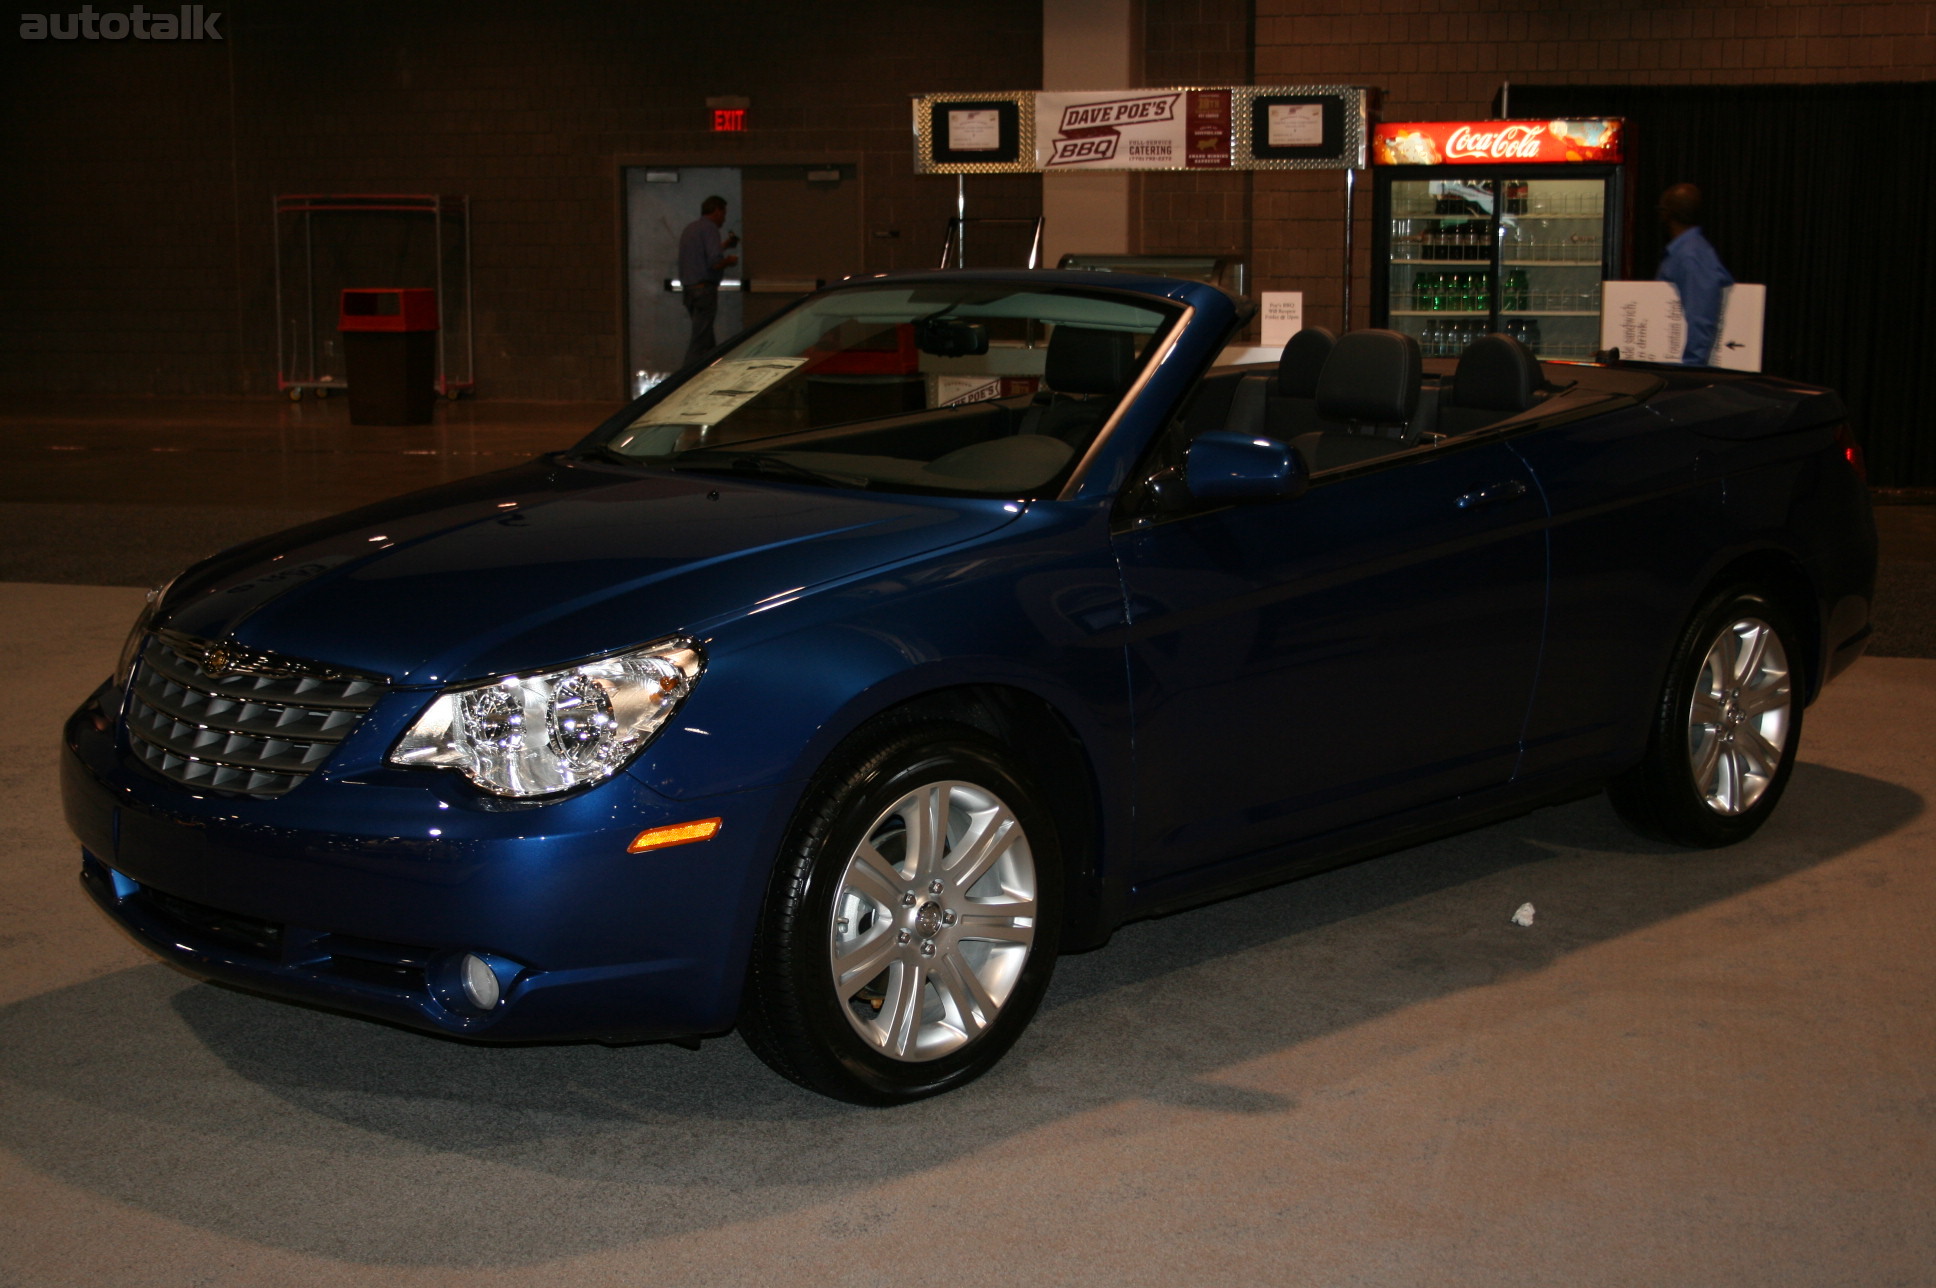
(1177, 127)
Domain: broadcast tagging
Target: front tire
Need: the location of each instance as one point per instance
(911, 925)
(1726, 730)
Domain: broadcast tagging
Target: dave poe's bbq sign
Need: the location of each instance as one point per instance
(1166, 130)
(1149, 127)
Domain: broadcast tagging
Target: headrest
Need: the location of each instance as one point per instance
(1496, 373)
(1086, 361)
(1302, 360)
(1370, 376)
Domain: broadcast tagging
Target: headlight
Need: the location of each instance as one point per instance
(530, 735)
(138, 636)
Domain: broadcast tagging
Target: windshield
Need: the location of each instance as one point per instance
(959, 388)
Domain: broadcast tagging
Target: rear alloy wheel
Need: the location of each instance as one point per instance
(911, 929)
(1725, 734)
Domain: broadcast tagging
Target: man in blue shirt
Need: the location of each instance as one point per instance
(703, 262)
(1694, 269)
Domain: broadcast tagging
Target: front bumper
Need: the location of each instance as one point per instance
(362, 894)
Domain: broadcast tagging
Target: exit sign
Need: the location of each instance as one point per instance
(729, 120)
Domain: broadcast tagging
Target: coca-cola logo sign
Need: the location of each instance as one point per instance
(1513, 143)
(1493, 142)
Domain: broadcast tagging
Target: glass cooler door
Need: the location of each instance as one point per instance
(1440, 277)
(1552, 252)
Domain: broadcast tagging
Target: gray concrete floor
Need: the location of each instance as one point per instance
(1692, 1069)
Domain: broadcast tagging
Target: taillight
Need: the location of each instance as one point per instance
(1851, 451)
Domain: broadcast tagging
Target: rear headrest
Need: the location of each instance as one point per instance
(1086, 361)
(1496, 373)
(1371, 376)
(1302, 361)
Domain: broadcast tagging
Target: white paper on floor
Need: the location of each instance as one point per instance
(1524, 917)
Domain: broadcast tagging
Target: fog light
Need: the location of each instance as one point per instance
(481, 988)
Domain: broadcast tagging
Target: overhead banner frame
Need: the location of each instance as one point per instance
(1172, 127)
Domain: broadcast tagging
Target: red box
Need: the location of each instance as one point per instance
(388, 308)
(903, 359)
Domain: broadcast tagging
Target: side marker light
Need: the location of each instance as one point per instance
(658, 838)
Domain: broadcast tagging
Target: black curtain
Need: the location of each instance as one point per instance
(1825, 193)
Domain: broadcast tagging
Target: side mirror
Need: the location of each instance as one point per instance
(1222, 466)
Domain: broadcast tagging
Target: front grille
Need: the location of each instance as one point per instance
(239, 722)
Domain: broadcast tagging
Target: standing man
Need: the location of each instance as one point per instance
(703, 262)
(1694, 269)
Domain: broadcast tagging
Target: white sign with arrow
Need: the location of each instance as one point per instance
(1643, 320)
(1738, 346)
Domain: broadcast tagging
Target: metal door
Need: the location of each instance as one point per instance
(660, 201)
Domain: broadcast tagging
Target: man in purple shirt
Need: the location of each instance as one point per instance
(1695, 270)
(703, 262)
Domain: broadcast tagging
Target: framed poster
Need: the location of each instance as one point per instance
(1297, 127)
(975, 132)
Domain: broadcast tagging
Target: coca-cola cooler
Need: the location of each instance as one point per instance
(1486, 226)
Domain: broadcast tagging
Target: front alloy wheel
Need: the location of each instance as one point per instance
(910, 928)
(933, 921)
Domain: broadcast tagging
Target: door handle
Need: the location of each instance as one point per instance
(1492, 494)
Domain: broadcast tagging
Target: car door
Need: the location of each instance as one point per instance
(1301, 665)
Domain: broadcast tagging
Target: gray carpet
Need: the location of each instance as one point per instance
(1691, 1069)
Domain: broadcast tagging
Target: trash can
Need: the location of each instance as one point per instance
(390, 354)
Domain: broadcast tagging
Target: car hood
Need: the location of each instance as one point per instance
(548, 563)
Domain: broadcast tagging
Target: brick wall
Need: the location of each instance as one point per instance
(1195, 42)
(138, 230)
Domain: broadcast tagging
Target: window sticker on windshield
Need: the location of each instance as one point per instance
(718, 391)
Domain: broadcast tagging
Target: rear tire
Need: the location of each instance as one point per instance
(1726, 728)
(911, 925)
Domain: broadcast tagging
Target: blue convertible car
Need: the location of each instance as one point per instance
(938, 626)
